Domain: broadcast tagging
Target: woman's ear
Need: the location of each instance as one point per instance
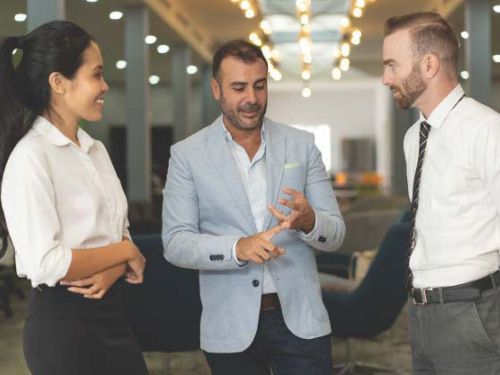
(57, 82)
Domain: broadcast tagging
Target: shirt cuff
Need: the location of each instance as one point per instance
(313, 233)
(237, 261)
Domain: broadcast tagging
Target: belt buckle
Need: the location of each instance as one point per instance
(423, 295)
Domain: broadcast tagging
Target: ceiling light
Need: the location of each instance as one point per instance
(356, 33)
(306, 92)
(304, 19)
(336, 53)
(306, 75)
(464, 74)
(357, 12)
(345, 49)
(301, 5)
(307, 59)
(92, 1)
(355, 41)
(266, 28)
(150, 39)
(336, 73)
(360, 3)
(496, 8)
(191, 69)
(344, 64)
(255, 39)
(464, 34)
(275, 74)
(162, 48)
(345, 22)
(496, 58)
(121, 64)
(266, 51)
(20, 17)
(154, 79)
(115, 15)
(245, 5)
(249, 13)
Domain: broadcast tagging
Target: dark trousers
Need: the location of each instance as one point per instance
(457, 338)
(276, 348)
(67, 334)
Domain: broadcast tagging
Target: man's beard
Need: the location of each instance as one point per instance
(412, 87)
(232, 116)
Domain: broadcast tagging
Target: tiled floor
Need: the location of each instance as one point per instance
(389, 349)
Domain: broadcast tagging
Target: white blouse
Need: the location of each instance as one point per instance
(57, 197)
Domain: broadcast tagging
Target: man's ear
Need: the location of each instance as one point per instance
(216, 89)
(57, 82)
(430, 66)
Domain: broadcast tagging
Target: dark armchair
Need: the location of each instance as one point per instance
(164, 311)
(375, 304)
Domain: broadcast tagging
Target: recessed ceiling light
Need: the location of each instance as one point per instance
(191, 69)
(306, 92)
(336, 73)
(154, 79)
(464, 74)
(496, 8)
(464, 34)
(92, 1)
(115, 15)
(121, 64)
(150, 39)
(496, 58)
(163, 48)
(20, 17)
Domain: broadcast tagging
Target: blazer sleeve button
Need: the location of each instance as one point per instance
(255, 283)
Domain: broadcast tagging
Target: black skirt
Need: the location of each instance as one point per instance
(67, 334)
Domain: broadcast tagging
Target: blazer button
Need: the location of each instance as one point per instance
(255, 283)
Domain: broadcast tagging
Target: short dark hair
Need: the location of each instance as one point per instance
(239, 48)
(429, 33)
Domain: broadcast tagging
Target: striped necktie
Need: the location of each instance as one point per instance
(424, 134)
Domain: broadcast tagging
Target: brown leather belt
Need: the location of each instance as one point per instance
(269, 302)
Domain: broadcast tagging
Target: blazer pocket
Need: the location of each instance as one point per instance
(294, 178)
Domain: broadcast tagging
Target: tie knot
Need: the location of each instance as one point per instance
(424, 125)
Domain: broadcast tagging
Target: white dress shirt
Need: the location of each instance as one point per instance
(57, 197)
(254, 179)
(458, 218)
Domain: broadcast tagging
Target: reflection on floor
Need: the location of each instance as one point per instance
(390, 349)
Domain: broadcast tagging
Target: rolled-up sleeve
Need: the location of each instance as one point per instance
(29, 205)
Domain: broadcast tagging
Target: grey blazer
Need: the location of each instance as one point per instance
(206, 210)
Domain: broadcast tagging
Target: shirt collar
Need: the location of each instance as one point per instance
(57, 138)
(229, 137)
(444, 108)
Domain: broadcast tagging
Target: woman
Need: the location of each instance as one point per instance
(63, 206)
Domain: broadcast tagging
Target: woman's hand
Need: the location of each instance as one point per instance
(96, 286)
(136, 264)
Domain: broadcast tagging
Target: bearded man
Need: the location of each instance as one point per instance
(453, 169)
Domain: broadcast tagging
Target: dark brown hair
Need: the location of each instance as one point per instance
(239, 48)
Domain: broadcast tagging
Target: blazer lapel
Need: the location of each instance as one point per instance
(275, 166)
(223, 162)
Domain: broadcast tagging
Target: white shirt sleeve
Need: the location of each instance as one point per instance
(28, 201)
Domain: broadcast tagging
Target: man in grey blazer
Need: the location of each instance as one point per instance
(246, 202)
